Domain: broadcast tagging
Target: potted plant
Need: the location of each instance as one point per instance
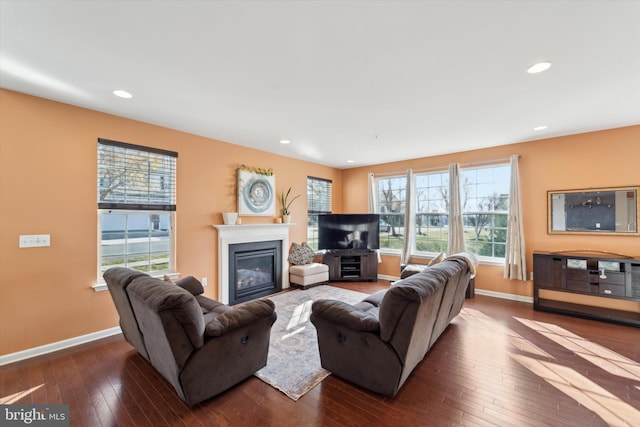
(285, 203)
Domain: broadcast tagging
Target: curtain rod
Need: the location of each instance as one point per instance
(445, 168)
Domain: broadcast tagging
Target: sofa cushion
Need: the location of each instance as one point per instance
(363, 317)
(188, 283)
(117, 280)
(301, 254)
(191, 284)
(238, 316)
(159, 296)
(208, 305)
(413, 289)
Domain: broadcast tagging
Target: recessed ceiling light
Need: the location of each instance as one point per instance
(540, 128)
(122, 93)
(539, 67)
(285, 141)
(349, 161)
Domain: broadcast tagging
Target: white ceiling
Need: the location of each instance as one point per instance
(369, 81)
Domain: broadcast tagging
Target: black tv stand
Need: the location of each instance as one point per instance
(352, 265)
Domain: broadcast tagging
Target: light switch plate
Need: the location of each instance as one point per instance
(35, 240)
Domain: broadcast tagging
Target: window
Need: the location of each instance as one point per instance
(391, 207)
(318, 202)
(432, 212)
(485, 204)
(485, 209)
(136, 207)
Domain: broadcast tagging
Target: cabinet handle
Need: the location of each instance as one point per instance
(602, 275)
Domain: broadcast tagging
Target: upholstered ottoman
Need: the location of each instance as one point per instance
(308, 275)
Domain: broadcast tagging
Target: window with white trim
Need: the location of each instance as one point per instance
(136, 207)
(485, 209)
(318, 203)
(391, 207)
(432, 212)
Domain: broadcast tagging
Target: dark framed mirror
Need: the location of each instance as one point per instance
(610, 211)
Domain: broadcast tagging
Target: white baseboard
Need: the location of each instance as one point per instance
(60, 345)
(504, 295)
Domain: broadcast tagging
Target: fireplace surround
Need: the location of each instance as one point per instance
(229, 235)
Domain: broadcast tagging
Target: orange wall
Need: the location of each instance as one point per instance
(48, 167)
(48, 155)
(607, 158)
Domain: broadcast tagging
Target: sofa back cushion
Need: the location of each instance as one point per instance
(117, 280)
(412, 290)
(458, 274)
(168, 299)
(410, 310)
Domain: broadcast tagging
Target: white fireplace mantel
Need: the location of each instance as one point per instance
(248, 233)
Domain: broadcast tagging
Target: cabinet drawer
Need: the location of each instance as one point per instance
(580, 275)
(613, 278)
(581, 286)
(612, 290)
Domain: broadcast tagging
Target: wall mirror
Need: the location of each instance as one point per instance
(612, 211)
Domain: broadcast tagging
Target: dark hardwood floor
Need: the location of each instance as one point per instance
(498, 363)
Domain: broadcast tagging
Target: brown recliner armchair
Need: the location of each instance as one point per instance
(377, 342)
(201, 346)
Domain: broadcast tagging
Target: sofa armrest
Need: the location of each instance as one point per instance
(240, 316)
(346, 315)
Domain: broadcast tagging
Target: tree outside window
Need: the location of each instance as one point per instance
(391, 207)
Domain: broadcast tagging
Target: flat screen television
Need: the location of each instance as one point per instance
(348, 231)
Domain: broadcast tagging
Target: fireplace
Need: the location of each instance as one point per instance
(255, 270)
(230, 236)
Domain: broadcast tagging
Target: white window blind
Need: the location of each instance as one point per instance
(132, 177)
(318, 202)
(318, 195)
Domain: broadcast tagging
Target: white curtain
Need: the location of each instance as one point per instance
(373, 203)
(455, 241)
(409, 219)
(373, 194)
(515, 260)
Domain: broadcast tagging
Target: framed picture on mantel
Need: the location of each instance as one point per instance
(256, 193)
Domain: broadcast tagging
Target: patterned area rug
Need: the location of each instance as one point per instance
(293, 366)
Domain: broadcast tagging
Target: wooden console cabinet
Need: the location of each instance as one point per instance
(587, 285)
(352, 264)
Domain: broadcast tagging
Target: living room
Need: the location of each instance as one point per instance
(48, 186)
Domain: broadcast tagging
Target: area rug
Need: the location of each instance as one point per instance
(293, 365)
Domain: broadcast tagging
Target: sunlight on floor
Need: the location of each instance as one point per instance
(299, 318)
(608, 406)
(13, 398)
(575, 385)
(602, 357)
(515, 339)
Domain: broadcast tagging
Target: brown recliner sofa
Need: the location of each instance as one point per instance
(377, 342)
(201, 346)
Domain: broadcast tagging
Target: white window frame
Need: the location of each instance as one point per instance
(504, 194)
(127, 200)
(312, 230)
(466, 212)
(172, 242)
(381, 211)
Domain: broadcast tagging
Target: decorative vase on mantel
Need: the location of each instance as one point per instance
(286, 218)
(229, 218)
